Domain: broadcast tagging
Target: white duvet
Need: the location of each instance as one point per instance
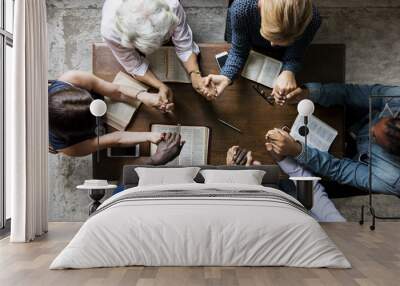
(200, 232)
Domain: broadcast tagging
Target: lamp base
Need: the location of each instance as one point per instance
(305, 193)
(304, 131)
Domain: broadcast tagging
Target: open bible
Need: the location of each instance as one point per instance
(119, 114)
(262, 69)
(195, 150)
(167, 67)
(320, 136)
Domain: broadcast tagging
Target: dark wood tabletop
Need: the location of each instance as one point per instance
(240, 105)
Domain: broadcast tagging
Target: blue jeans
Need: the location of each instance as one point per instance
(355, 172)
(323, 209)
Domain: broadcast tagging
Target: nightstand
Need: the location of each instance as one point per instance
(96, 191)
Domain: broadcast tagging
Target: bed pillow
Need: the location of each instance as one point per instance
(246, 177)
(166, 176)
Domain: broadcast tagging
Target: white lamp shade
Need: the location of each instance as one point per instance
(98, 108)
(305, 107)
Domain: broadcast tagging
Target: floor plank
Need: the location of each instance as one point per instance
(375, 257)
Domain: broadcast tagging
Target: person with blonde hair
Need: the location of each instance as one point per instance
(134, 29)
(282, 29)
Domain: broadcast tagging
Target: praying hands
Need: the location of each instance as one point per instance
(202, 87)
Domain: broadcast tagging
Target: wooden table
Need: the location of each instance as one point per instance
(240, 105)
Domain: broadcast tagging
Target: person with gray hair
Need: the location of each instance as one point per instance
(136, 28)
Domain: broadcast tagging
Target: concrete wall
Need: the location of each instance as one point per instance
(369, 28)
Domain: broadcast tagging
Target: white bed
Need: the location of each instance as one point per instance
(209, 230)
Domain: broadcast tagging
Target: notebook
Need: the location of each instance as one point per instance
(195, 150)
(262, 69)
(320, 136)
(119, 114)
(166, 65)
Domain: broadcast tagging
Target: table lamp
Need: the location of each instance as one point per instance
(305, 108)
(98, 108)
(305, 185)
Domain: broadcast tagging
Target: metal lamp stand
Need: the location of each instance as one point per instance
(370, 205)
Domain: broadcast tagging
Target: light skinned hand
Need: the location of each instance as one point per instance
(167, 99)
(284, 84)
(155, 100)
(251, 161)
(240, 156)
(229, 155)
(294, 97)
(156, 137)
(216, 83)
(199, 84)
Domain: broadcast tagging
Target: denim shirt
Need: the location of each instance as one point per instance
(385, 166)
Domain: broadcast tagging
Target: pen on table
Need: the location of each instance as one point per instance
(230, 125)
(179, 128)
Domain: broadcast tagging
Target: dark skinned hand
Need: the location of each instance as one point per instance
(168, 149)
(240, 156)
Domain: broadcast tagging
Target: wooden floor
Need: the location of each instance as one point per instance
(375, 257)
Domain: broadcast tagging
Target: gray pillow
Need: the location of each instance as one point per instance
(244, 177)
(166, 176)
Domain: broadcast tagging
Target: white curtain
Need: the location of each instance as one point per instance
(27, 123)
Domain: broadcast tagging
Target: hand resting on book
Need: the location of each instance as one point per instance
(168, 149)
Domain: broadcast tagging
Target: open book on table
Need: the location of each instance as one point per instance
(119, 114)
(262, 69)
(167, 67)
(320, 136)
(195, 150)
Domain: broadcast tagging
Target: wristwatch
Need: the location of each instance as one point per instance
(194, 72)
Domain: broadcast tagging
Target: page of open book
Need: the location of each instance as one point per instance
(166, 65)
(254, 66)
(119, 114)
(321, 135)
(175, 70)
(270, 71)
(123, 79)
(195, 150)
(158, 63)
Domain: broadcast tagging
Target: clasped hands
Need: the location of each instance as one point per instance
(278, 143)
(210, 87)
(285, 89)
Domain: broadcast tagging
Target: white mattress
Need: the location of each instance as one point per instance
(200, 232)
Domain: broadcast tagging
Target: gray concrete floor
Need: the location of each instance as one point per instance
(369, 28)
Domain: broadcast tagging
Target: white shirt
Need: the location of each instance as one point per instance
(133, 62)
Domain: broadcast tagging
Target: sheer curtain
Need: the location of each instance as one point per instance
(26, 123)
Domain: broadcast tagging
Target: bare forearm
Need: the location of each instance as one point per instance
(150, 79)
(115, 139)
(122, 139)
(192, 64)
